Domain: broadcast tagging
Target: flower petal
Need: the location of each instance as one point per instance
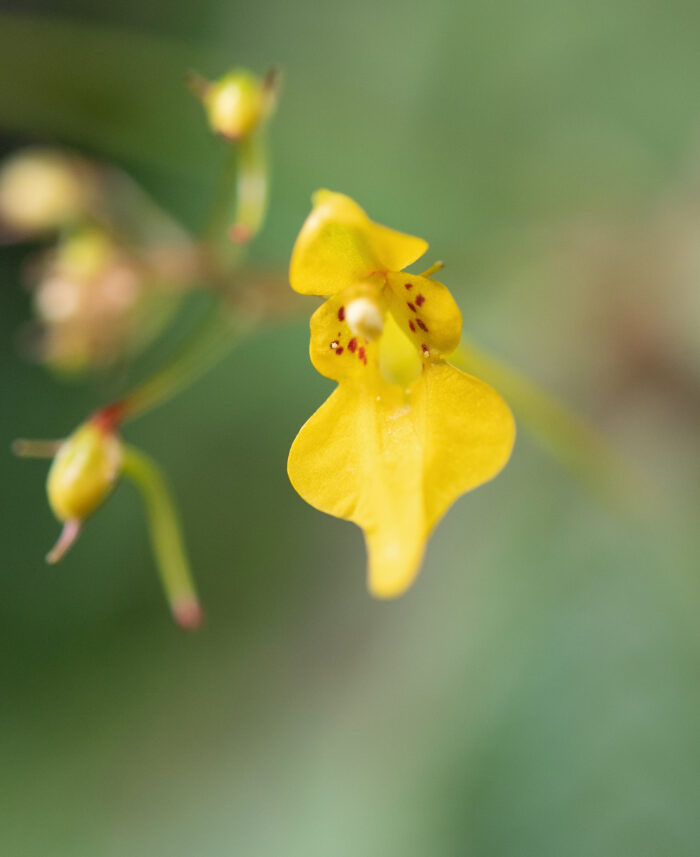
(339, 245)
(335, 350)
(467, 434)
(426, 312)
(394, 465)
(358, 458)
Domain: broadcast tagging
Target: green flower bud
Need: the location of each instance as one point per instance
(84, 472)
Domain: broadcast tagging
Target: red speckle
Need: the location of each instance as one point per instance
(425, 349)
(352, 345)
(412, 326)
(408, 285)
(339, 350)
(421, 324)
(410, 306)
(362, 355)
(420, 300)
(341, 313)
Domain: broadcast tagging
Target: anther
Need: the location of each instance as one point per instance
(365, 318)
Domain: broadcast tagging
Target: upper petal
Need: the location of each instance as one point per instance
(426, 312)
(339, 245)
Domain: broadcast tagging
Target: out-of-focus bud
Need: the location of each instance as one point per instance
(42, 190)
(85, 469)
(98, 302)
(236, 103)
(84, 472)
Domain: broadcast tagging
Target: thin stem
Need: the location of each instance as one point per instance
(166, 538)
(35, 448)
(220, 214)
(240, 204)
(252, 188)
(558, 429)
(205, 347)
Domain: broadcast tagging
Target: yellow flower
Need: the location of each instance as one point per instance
(404, 434)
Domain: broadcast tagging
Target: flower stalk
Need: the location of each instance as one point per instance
(166, 537)
(215, 336)
(558, 430)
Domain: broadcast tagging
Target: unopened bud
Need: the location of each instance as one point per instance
(84, 472)
(40, 190)
(235, 104)
(365, 318)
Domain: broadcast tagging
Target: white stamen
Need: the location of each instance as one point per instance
(365, 318)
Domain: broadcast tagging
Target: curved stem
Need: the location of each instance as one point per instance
(166, 538)
(205, 347)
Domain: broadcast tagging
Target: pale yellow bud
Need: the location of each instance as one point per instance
(83, 472)
(40, 190)
(235, 104)
(365, 318)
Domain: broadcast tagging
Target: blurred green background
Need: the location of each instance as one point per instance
(536, 692)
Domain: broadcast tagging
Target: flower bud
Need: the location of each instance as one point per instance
(235, 104)
(83, 472)
(365, 318)
(41, 190)
(98, 302)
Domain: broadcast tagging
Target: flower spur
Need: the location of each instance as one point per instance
(404, 434)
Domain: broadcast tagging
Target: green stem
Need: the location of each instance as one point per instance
(166, 539)
(220, 215)
(240, 205)
(252, 188)
(558, 429)
(205, 347)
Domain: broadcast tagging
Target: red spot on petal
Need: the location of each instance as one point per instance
(420, 300)
(352, 345)
(408, 285)
(410, 306)
(412, 326)
(362, 355)
(341, 313)
(339, 350)
(425, 349)
(421, 324)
